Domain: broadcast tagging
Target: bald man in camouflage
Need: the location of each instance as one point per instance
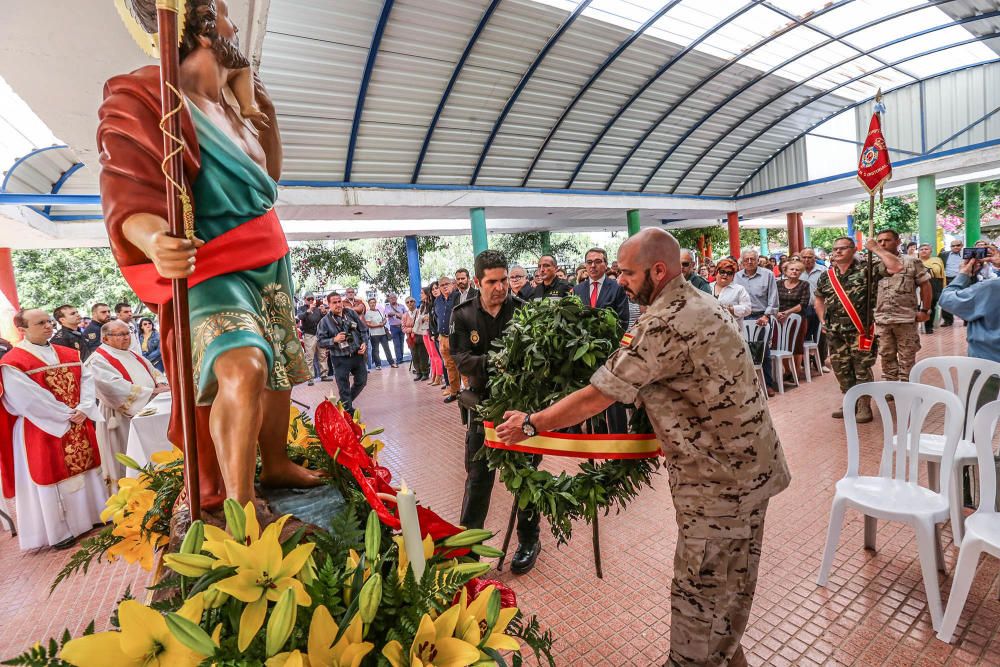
(688, 366)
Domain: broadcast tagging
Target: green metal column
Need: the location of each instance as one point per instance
(805, 238)
(478, 216)
(765, 249)
(633, 222)
(971, 213)
(546, 243)
(927, 210)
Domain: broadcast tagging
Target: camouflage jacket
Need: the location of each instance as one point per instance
(897, 294)
(855, 283)
(686, 362)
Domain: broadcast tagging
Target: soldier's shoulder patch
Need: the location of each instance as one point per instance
(627, 339)
(474, 336)
(92, 335)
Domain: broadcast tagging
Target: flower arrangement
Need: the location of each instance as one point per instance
(244, 593)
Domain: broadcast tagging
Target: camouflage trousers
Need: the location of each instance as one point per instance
(850, 365)
(897, 348)
(715, 576)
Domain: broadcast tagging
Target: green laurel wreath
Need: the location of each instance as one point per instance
(549, 350)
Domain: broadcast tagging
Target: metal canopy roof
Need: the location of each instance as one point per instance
(678, 96)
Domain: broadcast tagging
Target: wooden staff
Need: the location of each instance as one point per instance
(173, 171)
(869, 315)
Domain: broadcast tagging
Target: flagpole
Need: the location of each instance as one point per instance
(173, 171)
(869, 315)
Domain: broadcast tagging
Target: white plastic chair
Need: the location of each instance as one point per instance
(895, 494)
(967, 386)
(810, 348)
(753, 332)
(784, 351)
(982, 529)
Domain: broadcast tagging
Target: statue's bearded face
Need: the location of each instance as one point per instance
(227, 52)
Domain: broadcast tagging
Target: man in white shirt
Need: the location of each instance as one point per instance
(48, 449)
(124, 382)
(123, 312)
(811, 274)
(763, 291)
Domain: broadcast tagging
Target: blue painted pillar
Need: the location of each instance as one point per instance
(850, 226)
(478, 218)
(764, 248)
(413, 263)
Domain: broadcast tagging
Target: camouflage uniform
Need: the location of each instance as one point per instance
(896, 319)
(851, 365)
(722, 455)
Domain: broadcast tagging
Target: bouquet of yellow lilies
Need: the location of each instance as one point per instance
(251, 594)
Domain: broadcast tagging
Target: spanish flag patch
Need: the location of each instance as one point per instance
(627, 339)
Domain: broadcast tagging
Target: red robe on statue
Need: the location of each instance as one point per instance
(50, 459)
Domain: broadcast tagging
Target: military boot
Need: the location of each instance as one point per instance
(863, 411)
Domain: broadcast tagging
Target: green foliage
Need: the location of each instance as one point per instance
(898, 213)
(549, 350)
(315, 264)
(951, 201)
(78, 276)
(823, 237)
(89, 549)
(47, 654)
(392, 273)
(526, 248)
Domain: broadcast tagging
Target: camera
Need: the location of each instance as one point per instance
(974, 253)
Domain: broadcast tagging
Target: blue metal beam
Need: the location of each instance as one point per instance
(856, 143)
(763, 75)
(524, 82)
(612, 57)
(824, 93)
(706, 80)
(19, 161)
(45, 199)
(366, 77)
(653, 79)
(451, 84)
(65, 176)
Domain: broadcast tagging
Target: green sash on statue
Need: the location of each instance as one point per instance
(252, 308)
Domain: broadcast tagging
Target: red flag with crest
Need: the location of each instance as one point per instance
(874, 167)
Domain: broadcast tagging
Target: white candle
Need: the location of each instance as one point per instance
(406, 504)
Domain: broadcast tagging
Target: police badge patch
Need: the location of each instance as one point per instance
(474, 336)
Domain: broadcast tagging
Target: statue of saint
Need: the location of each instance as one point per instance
(246, 355)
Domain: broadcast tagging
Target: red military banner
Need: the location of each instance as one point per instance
(874, 167)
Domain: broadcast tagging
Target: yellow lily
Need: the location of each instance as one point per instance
(167, 456)
(216, 538)
(472, 623)
(404, 560)
(131, 492)
(434, 645)
(348, 652)
(144, 640)
(136, 545)
(262, 574)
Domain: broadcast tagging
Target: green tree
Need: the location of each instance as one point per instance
(315, 264)
(78, 276)
(951, 201)
(392, 273)
(823, 237)
(898, 213)
(527, 247)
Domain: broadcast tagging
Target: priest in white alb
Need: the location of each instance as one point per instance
(125, 382)
(49, 458)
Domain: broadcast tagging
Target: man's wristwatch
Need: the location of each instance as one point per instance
(527, 427)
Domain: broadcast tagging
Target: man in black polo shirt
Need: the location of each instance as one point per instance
(475, 324)
(100, 313)
(69, 334)
(551, 286)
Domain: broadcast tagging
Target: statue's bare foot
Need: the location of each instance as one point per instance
(288, 475)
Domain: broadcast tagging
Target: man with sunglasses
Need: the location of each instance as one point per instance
(851, 363)
(689, 267)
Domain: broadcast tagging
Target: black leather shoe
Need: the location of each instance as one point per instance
(450, 398)
(65, 544)
(525, 557)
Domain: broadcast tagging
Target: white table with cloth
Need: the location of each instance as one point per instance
(147, 433)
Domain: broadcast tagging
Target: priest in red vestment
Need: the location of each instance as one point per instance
(49, 459)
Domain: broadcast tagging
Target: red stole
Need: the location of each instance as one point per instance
(120, 367)
(50, 459)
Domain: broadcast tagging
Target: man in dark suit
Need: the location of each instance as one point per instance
(602, 291)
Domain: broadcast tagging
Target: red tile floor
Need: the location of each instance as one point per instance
(872, 613)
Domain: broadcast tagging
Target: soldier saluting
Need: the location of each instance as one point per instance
(475, 324)
(841, 304)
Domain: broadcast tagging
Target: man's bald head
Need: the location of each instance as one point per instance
(647, 261)
(116, 334)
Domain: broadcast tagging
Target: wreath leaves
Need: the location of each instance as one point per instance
(549, 350)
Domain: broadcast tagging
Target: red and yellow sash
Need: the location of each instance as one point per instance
(865, 338)
(582, 445)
